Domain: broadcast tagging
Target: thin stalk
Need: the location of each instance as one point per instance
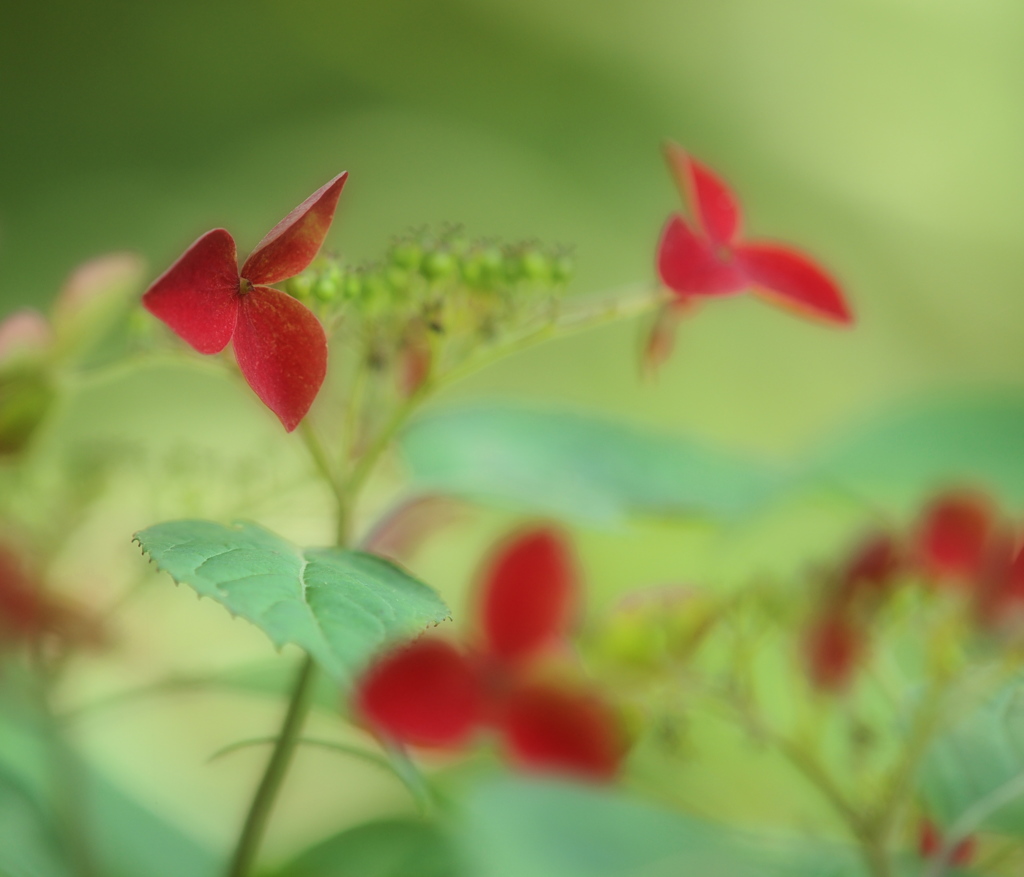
(273, 776)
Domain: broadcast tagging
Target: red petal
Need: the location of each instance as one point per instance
(871, 567)
(294, 242)
(661, 339)
(198, 295)
(282, 351)
(528, 594)
(690, 265)
(832, 649)
(791, 279)
(954, 535)
(562, 730)
(424, 694)
(929, 841)
(718, 211)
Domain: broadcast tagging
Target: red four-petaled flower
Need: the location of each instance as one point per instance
(280, 345)
(714, 261)
(432, 693)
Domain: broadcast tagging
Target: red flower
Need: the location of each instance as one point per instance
(713, 261)
(930, 841)
(432, 693)
(832, 647)
(954, 537)
(280, 345)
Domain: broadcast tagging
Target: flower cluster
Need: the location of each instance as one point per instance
(958, 543)
(433, 299)
(930, 842)
(432, 693)
(279, 344)
(709, 258)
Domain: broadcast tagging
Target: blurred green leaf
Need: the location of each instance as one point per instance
(517, 828)
(975, 759)
(386, 848)
(577, 466)
(924, 447)
(340, 606)
(123, 835)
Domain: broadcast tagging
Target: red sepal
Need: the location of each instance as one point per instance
(528, 594)
(954, 535)
(692, 265)
(294, 242)
(871, 567)
(791, 279)
(559, 729)
(281, 349)
(716, 207)
(198, 295)
(930, 841)
(424, 694)
(832, 648)
(661, 339)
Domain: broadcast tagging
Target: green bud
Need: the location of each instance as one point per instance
(535, 266)
(406, 254)
(299, 287)
(352, 286)
(563, 268)
(512, 267)
(326, 288)
(397, 278)
(438, 265)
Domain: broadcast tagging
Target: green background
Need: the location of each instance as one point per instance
(882, 136)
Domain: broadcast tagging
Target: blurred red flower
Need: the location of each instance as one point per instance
(713, 260)
(436, 694)
(930, 841)
(280, 345)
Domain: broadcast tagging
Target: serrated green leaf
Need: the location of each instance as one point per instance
(340, 606)
(921, 447)
(385, 848)
(976, 758)
(577, 466)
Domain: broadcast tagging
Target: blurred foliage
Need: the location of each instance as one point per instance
(884, 135)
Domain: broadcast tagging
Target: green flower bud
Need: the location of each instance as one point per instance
(299, 287)
(397, 278)
(535, 266)
(563, 268)
(407, 255)
(352, 286)
(326, 288)
(438, 265)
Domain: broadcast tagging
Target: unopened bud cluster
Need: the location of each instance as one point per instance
(435, 297)
(421, 262)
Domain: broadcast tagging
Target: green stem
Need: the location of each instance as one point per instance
(273, 776)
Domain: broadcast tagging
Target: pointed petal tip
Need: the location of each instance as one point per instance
(791, 279)
(715, 206)
(293, 243)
